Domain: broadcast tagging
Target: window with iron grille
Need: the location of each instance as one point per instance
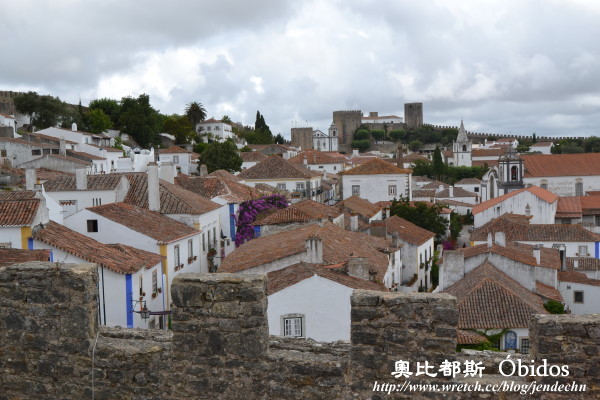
(524, 345)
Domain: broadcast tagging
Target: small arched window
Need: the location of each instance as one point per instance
(514, 172)
(527, 210)
(464, 147)
(579, 187)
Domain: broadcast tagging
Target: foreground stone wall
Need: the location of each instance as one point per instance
(219, 346)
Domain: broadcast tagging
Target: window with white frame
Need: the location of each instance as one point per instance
(356, 190)
(583, 251)
(299, 186)
(293, 325)
(392, 190)
(281, 186)
(175, 159)
(176, 254)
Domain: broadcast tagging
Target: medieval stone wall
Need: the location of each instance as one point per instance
(303, 138)
(347, 123)
(219, 346)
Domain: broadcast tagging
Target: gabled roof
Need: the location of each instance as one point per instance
(315, 157)
(458, 193)
(173, 199)
(14, 256)
(338, 246)
(152, 224)
(215, 186)
(376, 166)
(487, 298)
(519, 252)
(576, 206)
(435, 185)
(542, 165)
(316, 209)
(68, 183)
(66, 158)
(468, 181)
(286, 215)
(15, 213)
(173, 150)
(85, 155)
(488, 152)
(542, 194)
(519, 229)
(407, 231)
(577, 277)
(28, 143)
(225, 175)
(583, 263)
(252, 156)
(358, 205)
(118, 258)
(275, 167)
(286, 277)
(469, 337)
(548, 291)
(18, 195)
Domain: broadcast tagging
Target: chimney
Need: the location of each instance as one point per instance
(355, 152)
(451, 191)
(153, 187)
(500, 239)
(358, 267)
(203, 170)
(30, 179)
(378, 229)
(314, 250)
(537, 254)
(305, 161)
(74, 127)
(489, 240)
(167, 171)
(440, 188)
(63, 146)
(353, 222)
(81, 178)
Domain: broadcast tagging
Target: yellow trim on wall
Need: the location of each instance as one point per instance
(165, 270)
(25, 235)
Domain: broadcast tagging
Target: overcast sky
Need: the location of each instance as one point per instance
(502, 66)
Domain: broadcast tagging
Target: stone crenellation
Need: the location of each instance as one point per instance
(219, 345)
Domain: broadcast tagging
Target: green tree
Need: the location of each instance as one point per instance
(592, 144)
(361, 145)
(421, 214)
(110, 107)
(96, 121)
(362, 134)
(415, 145)
(554, 307)
(398, 135)
(44, 111)
(261, 134)
(200, 147)
(439, 167)
(180, 127)
(195, 113)
(226, 119)
(71, 116)
(246, 149)
(140, 120)
(378, 134)
(456, 225)
(279, 139)
(222, 156)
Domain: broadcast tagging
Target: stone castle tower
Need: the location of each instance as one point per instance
(346, 122)
(413, 115)
(462, 148)
(303, 138)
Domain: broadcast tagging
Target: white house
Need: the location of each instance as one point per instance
(251, 158)
(532, 201)
(215, 129)
(319, 161)
(375, 118)
(470, 185)
(283, 175)
(326, 141)
(180, 158)
(20, 211)
(146, 230)
(81, 138)
(581, 294)
(582, 210)
(376, 180)
(128, 278)
(303, 296)
(542, 147)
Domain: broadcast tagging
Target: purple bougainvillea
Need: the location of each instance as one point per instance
(249, 210)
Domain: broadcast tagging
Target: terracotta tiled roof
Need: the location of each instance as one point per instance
(86, 155)
(14, 213)
(583, 263)
(106, 148)
(449, 202)
(468, 181)
(173, 199)
(252, 156)
(173, 150)
(48, 137)
(577, 277)
(469, 337)
(14, 256)
(520, 230)
(540, 165)
(68, 183)
(548, 291)
(420, 193)
(18, 195)
(568, 207)
(338, 246)
(523, 253)
(435, 185)
(27, 143)
(274, 167)
(284, 216)
(225, 175)
(358, 205)
(458, 193)
(118, 258)
(543, 194)
(155, 225)
(488, 298)
(407, 231)
(376, 166)
(316, 209)
(417, 178)
(314, 157)
(286, 277)
(542, 144)
(488, 152)
(484, 163)
(215, 186)
(590, 205)
(70, 159)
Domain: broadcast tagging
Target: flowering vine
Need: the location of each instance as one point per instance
(249, 210)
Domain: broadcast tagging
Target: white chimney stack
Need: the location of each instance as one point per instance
(353, 222)
(451, 191)
(167, 171)
(81, 178)
(63, 146)
(537, 254)
(30, 179)
(153, 187)
(489, 240)
(74, 127)
(500, 239)
(314, 250)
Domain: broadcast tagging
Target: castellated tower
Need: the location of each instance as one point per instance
(413, 115)
(346, 122)
(303, 138)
